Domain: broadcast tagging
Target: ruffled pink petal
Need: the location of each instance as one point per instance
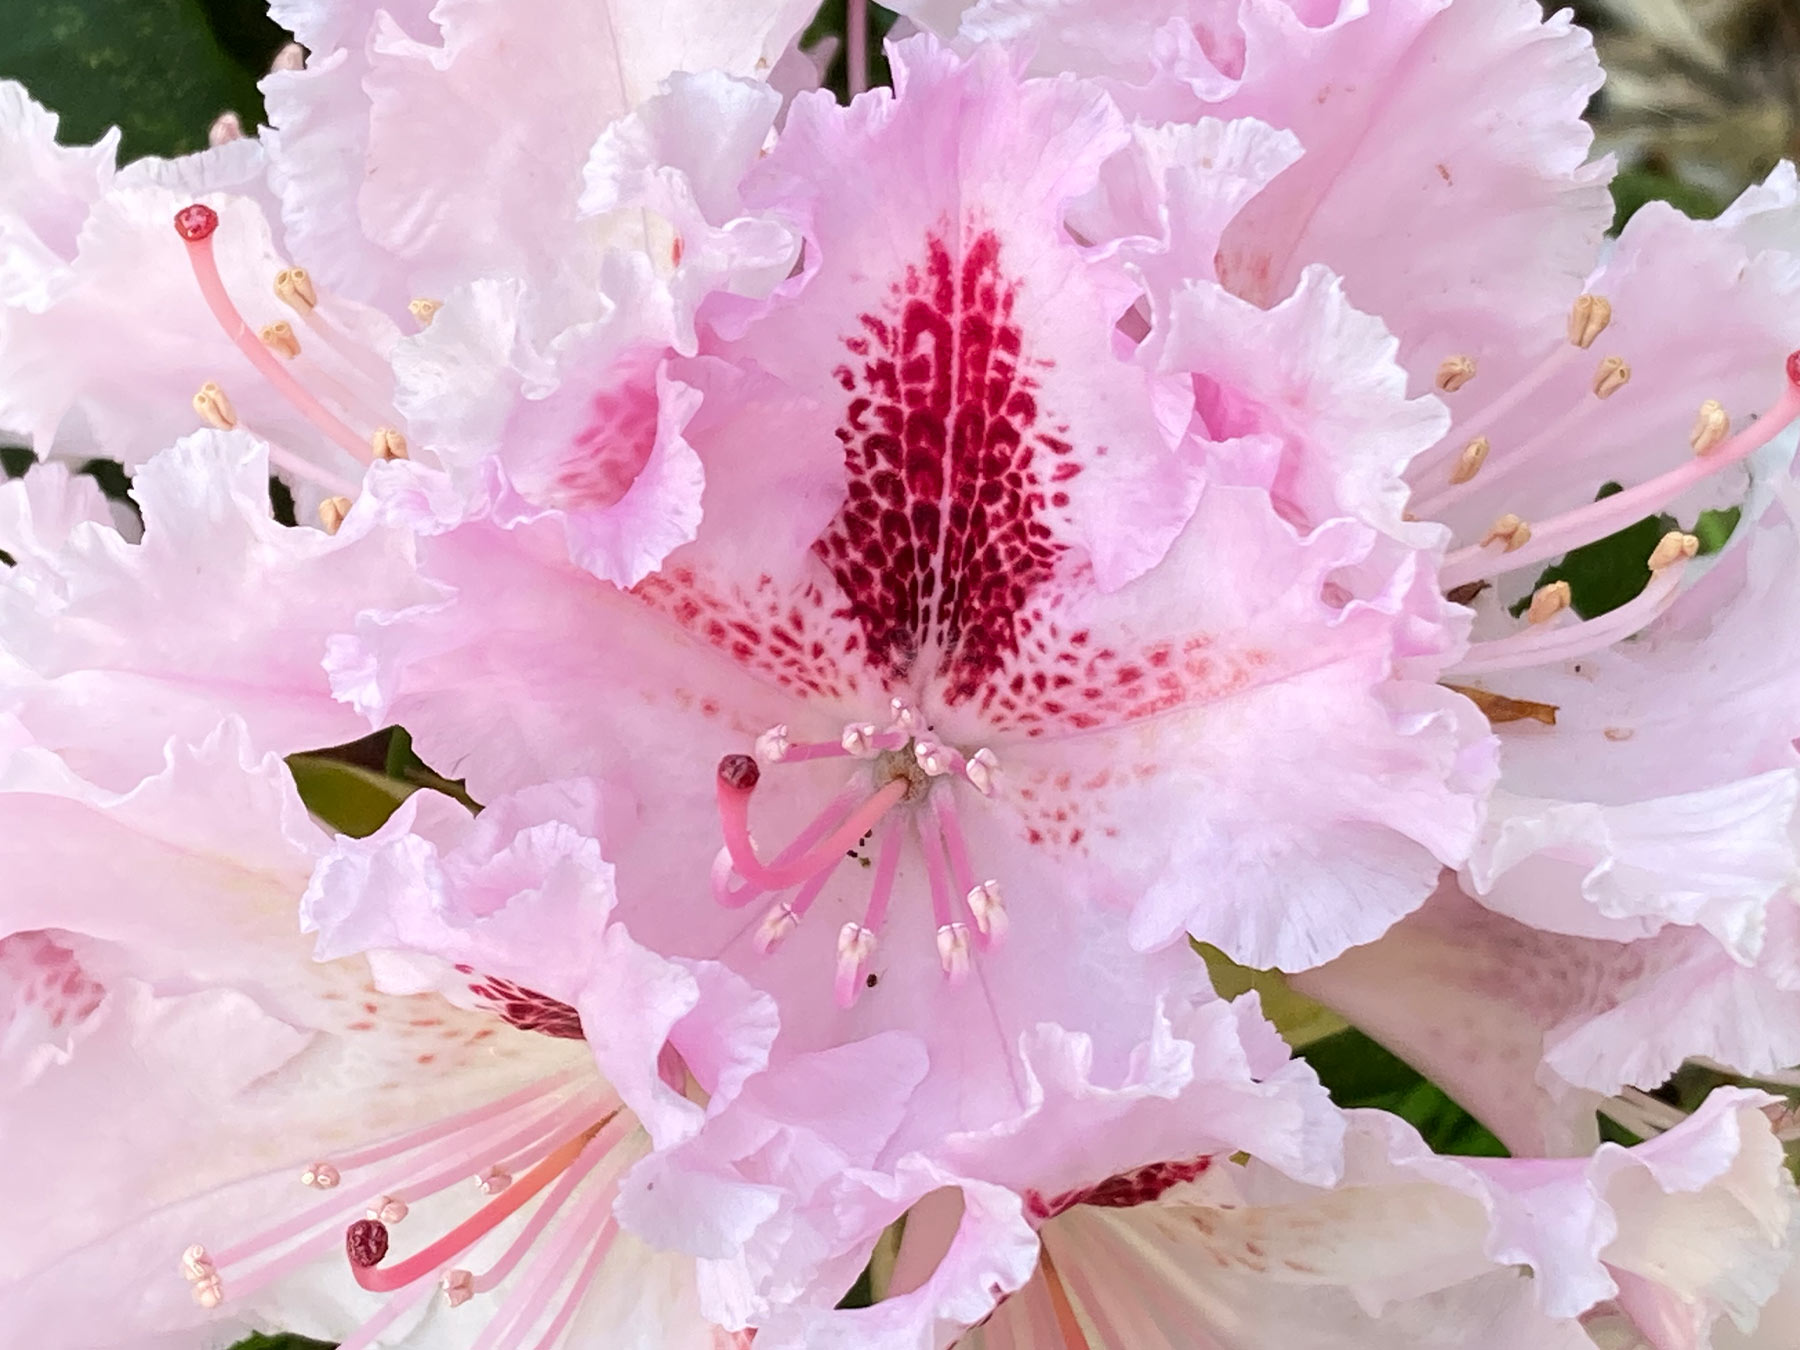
(219, 610)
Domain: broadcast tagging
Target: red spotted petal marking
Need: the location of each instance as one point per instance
(526, 1009)
(946, 529)
(1139, 1186)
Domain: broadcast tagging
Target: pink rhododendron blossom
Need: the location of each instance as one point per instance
(1001, 605)
(1660, 1244)
(281, 1107)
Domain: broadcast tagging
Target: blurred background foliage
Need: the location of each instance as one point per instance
(1703, 99)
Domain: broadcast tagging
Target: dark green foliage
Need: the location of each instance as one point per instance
(158, 69)
(1358, 1072)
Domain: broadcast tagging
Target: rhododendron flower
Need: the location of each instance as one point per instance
(1646, 803)
(999, 605)
(1672, 1242)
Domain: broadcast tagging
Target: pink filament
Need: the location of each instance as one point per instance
(1538, 647)
(856, 42)
(1598, 519)
(887, 863)
(931, 845)
(526, 1301)
(584, 1277)
(590, 1158)
(734, 822)
(820, 825)
(381, 1279)
(452, 1124)
(212, 287)
(364, 1336)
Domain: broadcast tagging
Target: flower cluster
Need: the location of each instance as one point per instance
(894, 577)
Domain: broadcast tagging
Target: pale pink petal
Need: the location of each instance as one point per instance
(218, 610)
(40, 510)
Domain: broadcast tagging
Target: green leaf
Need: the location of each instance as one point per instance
(154, 68)
(281, 1342)
(1356, 1071)
(349, 798)
(1714, 527)
(404, 763)
(1299, 1020)
(1633, 187)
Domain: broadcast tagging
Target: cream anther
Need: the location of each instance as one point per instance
(386, 1209)
(226, 127)
(279, 338)
(776, 927)
(332, 512)
(1588, 319)
(980, 771)
(1611, 376)
(906, 717)
(212, 405)
(856, 944)
(209, 1293)
(1469, 462)
(493, 1181)
(321, 1176)
(1674, 547)
(1711, 426)
(196, 1264)
(425, 310)
(1508, 530)
(859, 739)
(953, 951)
(937, 760)
(458, 1286)
(1549, 601)
(386, 443)
(985, 904)
(294, 288)
(772, 746)
(1455, 372)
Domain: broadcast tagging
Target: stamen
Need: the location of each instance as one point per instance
(493, 1181)
(366, 1245)
(1608, 515)
(1588, 319)
(785, 916)
(1549, 601)
(982, 899)
(1469, 462)
(387, 1210)
(1068, 1325)
(856, 941)
(584, 1164)
(1455, 372)
(425, 310)
(738, 775)
(391, 1311)
(1672, 548)
(906, 717)
(226, 128)
(1541, 646)
(449, 1125)
(522, 1307)
(215, 408)
(332, 512)
(386, 443)
(1711, 427)
(279, 338)
(1509, 531)
(865, 740)
(1612, 375)
(196, 225)
(952, 936)
(938, 760)
(294, 288)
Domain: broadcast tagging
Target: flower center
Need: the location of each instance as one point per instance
(907, 768)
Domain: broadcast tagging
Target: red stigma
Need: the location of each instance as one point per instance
(196, 222)
(1793, 369)
(739, 772)
(366, 1242)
